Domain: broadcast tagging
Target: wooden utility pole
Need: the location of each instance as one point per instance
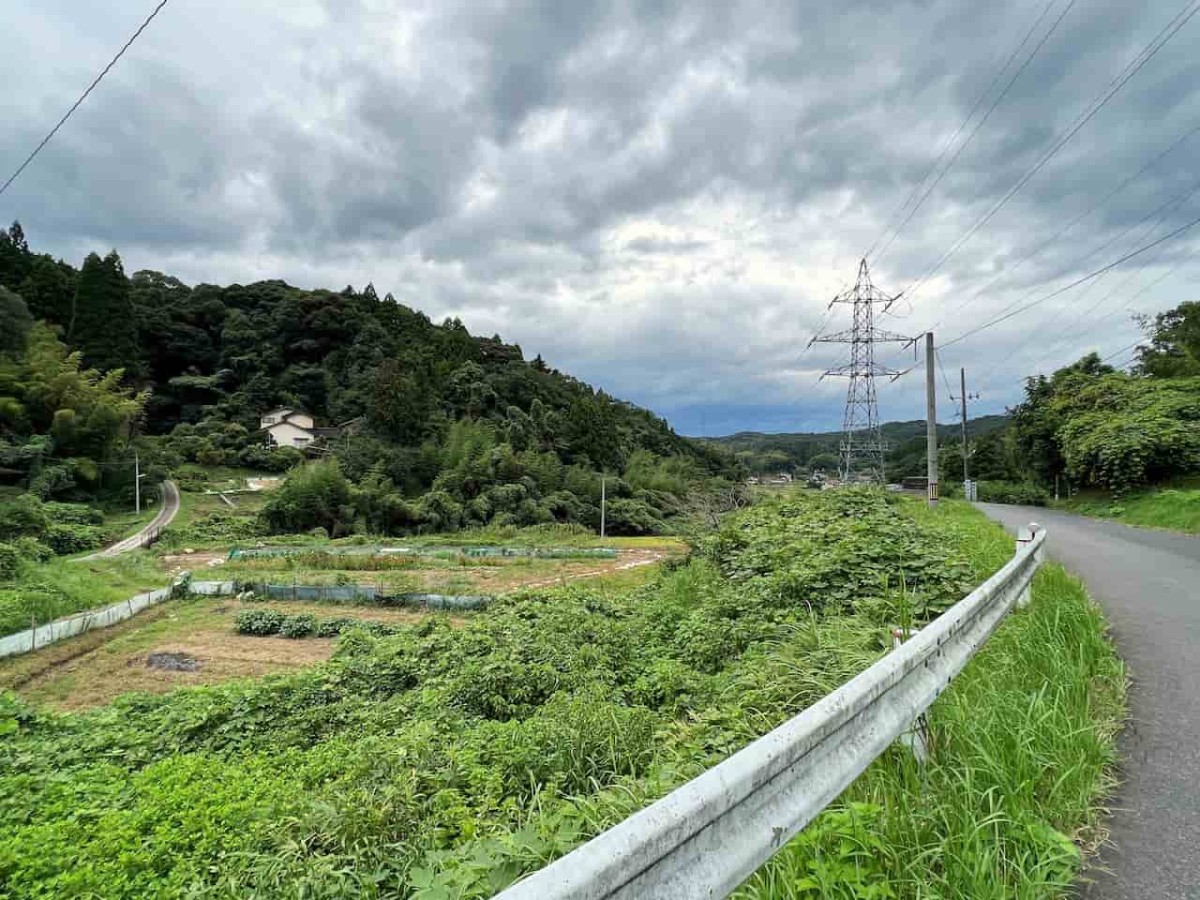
(931, 435)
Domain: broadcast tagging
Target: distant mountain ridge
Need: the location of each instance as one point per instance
(762, 452)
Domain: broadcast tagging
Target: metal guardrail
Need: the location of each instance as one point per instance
(705, 838)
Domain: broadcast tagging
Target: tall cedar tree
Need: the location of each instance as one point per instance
(103, 325)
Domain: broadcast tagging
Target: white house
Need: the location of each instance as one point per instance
(287, 427)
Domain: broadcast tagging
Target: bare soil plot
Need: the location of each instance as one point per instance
(96, 668)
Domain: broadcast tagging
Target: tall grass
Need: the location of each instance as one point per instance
(47, 591)
(1174, 508)
(1023, 749)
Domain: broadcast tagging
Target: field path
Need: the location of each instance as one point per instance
(1149, 585)
(170, 506)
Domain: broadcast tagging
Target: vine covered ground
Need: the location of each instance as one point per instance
(444, 762)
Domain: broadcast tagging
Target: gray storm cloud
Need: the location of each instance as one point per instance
(658, 197)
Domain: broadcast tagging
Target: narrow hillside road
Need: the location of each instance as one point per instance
(1148, 583)
(170, 506)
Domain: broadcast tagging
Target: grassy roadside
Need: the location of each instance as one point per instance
(1175, 508)
(1024, 750)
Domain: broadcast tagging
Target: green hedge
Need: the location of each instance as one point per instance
(1018, 493)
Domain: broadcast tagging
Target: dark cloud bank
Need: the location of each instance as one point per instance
(659, 197)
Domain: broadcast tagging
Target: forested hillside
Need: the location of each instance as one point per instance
(768, 453)
(444, 428)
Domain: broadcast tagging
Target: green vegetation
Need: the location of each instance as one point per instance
(1175, 508)
(436, 429)
(767, 454)
(1117, 431)
(1023, 755)
(266, 622)
(41, 592)
(1020, 493)
(445, 761)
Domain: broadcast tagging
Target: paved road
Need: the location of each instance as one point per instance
(1149, 585)
(170, 506)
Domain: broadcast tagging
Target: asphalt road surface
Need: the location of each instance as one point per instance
(1148, 583)
(170, 506)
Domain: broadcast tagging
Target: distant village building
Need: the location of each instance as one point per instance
(288, 427)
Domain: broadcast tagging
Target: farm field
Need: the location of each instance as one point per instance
(96, 668)
(443, 755)
(200, 632)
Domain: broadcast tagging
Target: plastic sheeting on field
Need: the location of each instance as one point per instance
(52, 632)
(433, 551)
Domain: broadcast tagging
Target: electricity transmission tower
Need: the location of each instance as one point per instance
(862, 447)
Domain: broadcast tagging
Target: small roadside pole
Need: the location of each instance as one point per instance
(931, 437)
(603, 504)
(137, 482)
(1025, 536)
(918, 738)
(963, 397)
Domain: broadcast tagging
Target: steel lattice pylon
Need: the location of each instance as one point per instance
(862, 447)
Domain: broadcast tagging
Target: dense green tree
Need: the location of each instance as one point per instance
(428, 407)
(103, 325)
(14, 256)
(49, 289)
(15, 322)
(1173, 350)
(59, 421)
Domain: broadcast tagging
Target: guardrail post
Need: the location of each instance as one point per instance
(1025, 536)
(917, 738)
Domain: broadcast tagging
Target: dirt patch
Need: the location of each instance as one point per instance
(626, 559)
(17, 671)
(170, 661)
(192, 562)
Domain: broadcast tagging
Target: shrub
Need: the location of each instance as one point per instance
(67, 539)
(259, 622)
(298, 626)
(633, 517)
(33, 549)
(10, 562)
(25, 515)
(316, 495)
(73, 513)
(328, 628)
(1019, 493)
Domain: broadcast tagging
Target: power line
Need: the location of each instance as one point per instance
(1039, 246)
(1122, 350)
(978, 125)
(1073, 284)
(949, 390)
(82, 97)
(1131, 69)
(1097, 323)
(1164, 211)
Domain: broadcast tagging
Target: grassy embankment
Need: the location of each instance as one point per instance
(1174, 507)
(444, 761)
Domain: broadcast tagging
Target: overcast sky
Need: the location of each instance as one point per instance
(660, 198)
